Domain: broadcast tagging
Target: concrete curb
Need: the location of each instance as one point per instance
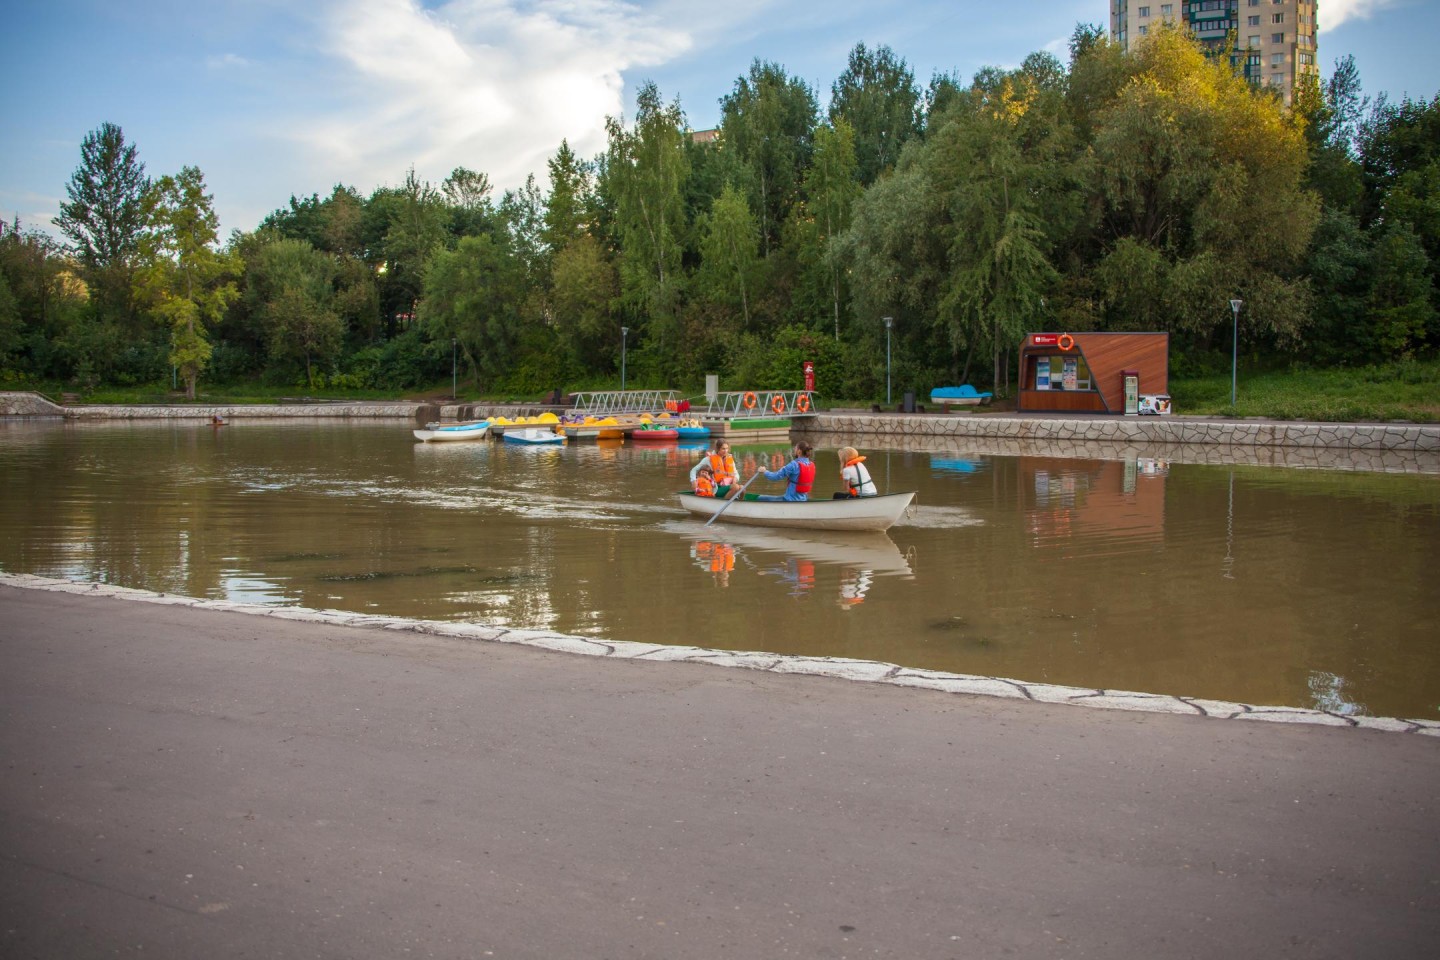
(840, 668)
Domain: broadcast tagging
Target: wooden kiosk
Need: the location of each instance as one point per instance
(1086, 372)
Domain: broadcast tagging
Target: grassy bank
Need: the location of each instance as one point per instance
(1408, 391)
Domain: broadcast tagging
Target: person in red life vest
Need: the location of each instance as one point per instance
(853, 476)
(799, 475)
(704, 481)
(721, 464)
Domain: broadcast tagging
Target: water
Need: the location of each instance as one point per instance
(1265, 585)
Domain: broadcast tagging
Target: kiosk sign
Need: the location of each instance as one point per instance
(1045, 339)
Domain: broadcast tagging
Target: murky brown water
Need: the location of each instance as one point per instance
(1255, 584)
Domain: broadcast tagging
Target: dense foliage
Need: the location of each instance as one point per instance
(1120, 191)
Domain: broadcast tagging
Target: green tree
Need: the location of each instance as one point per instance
(416, 222)
(295, 286)
(729, 247)
(104, 217)
(1400, 311)
(467, 192)
(475, 294)
(877, 97)
(1208, 174)
(645, 171)
(831, 189)
(566, 215)
(584, 288)
(769, 120)
(184, 278)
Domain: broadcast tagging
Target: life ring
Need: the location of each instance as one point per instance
(802, 403)
(1065, 342)
(750, 400)
(777, 403)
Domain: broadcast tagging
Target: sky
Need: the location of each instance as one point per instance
(278, 98)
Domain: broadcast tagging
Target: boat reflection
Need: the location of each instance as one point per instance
(802, 560)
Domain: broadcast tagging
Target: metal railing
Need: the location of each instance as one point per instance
(741, 404)
(733, 405)
(605, 403)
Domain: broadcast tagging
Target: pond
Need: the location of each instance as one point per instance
(1257, 584)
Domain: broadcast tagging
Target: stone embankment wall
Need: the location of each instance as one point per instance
(16, 404)
(1131, 433)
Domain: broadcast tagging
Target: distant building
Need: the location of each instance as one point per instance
(1274, 39)
(704, 136)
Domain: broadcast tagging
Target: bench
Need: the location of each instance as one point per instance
(69, 399)
(965, 396)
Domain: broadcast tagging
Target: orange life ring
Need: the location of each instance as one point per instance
(1065, 342)
(802, 403)
(777, 402)
(750, 400)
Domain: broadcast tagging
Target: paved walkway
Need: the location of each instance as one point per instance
(181, 782)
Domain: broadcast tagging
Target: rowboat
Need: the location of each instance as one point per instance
(855, 513)
(533, 436)
(434, 433)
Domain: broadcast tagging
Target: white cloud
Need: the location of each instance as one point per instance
(1335, 12)
(493, 85)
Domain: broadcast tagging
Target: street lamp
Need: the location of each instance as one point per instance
(454, 372)
(624, 332)
(1234, 344)
(889, 322)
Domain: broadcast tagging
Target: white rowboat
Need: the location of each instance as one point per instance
(855, 513)
(434, 433)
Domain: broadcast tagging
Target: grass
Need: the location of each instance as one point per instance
(1408, 391)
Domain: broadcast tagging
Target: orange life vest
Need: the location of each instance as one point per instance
(704, 486)
(853, 490)
(724, 467)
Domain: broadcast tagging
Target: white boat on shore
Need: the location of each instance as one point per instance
(435, 433)
(855, 513)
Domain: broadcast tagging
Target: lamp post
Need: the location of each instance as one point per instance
(624, 332)
(454, 372)
(1234, 344)
(889, 322)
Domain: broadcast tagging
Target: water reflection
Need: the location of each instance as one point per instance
(846, 565)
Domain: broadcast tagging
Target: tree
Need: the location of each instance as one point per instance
(414, 220)
(186, 281)
(831, 189)
(769, 120)
(468, 194)
(565, 209)
(1208, 174)
(475, 293)
(105, 215)
(645, 172)
(731, 238)
(877, 97)
(294, 285)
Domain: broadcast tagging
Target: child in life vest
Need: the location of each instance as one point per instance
(705, 481)
(854, 478)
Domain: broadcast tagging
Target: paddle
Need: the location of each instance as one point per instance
(716, 515)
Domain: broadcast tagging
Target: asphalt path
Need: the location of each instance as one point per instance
(189, 783)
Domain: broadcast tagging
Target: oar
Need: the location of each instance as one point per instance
(716, 515)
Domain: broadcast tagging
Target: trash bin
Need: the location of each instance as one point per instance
(907, 405)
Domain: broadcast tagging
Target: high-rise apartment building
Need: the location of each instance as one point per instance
(1273, 39)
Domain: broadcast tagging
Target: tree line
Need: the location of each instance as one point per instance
(1137, 190)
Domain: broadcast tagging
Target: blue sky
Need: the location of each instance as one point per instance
(271, 98)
